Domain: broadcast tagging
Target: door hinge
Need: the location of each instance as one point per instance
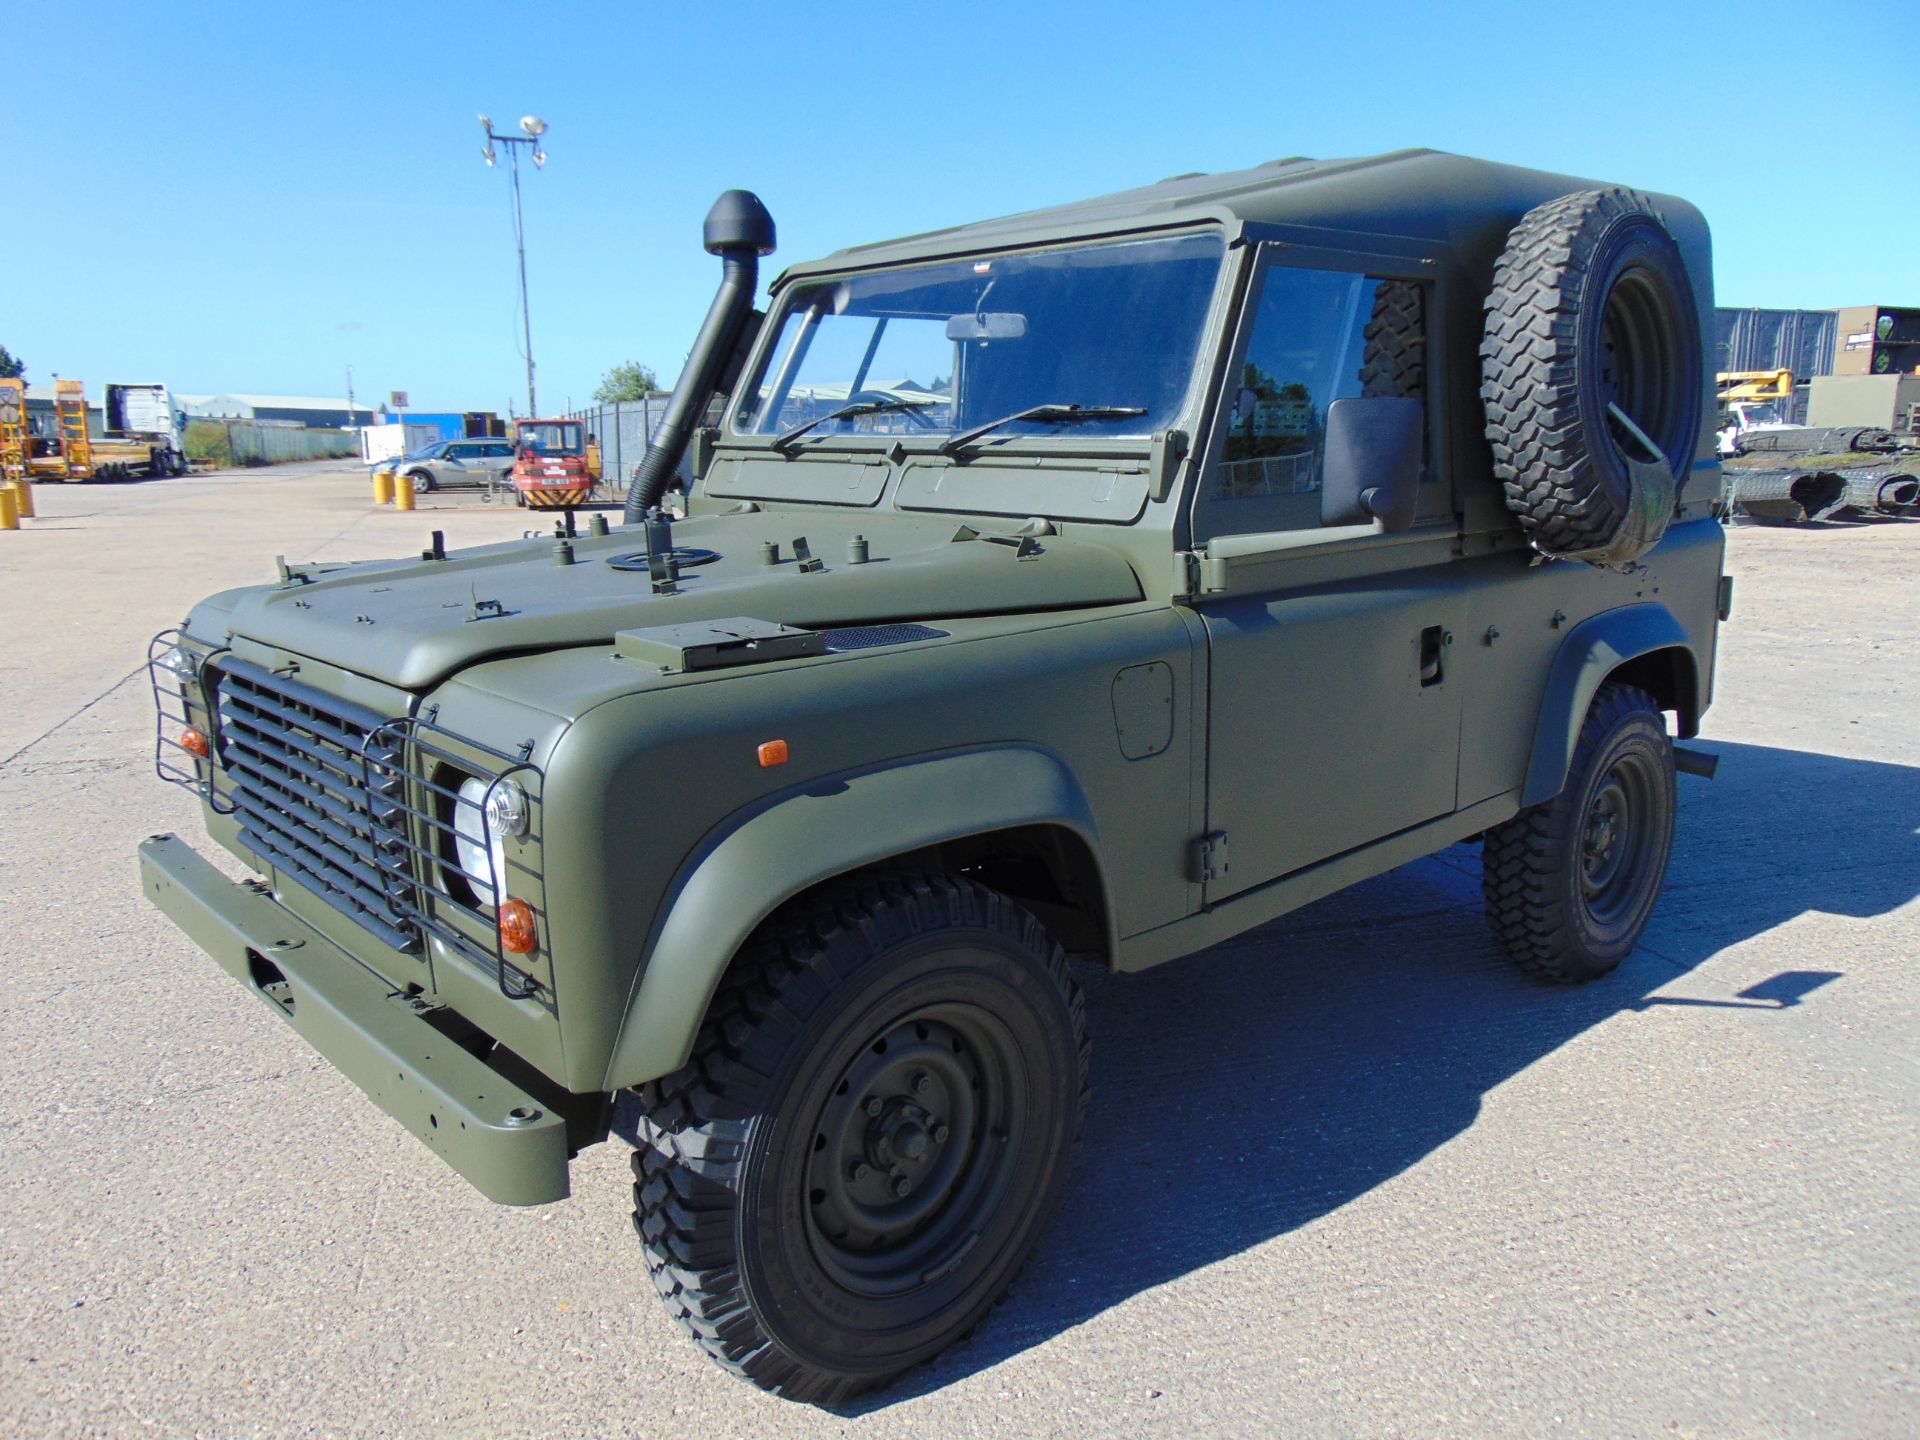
(1210, 858)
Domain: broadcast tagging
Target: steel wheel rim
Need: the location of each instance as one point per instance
(936, 1100)
(1616, 847)
(1637, 353)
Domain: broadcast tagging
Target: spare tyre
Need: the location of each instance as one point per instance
(1590, 369)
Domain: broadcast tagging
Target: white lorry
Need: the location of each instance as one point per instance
(144, 431)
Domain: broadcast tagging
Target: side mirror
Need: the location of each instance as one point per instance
(987, 325)
(1372, 461)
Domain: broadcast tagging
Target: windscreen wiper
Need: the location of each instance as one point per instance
(1046, 415)
(848, 412)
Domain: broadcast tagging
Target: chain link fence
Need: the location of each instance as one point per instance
(624, 431)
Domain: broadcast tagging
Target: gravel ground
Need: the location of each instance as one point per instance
(1346, 1175)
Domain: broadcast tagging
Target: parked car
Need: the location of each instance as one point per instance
(453, 462)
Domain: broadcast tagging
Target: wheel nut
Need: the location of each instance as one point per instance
(861, 1170)
(902, 1187)
(922, 1082)
(873, 1105)
(940, 1133)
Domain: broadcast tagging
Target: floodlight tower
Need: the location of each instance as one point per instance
(532, 127)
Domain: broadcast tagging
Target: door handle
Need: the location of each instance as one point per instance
(1433, 646)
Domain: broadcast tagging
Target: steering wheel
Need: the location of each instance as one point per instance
(880, 397)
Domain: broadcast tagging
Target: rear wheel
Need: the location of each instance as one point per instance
(876, 1123)
(1570, 883)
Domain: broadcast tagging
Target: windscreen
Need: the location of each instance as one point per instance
(550, 437)
(934, 349)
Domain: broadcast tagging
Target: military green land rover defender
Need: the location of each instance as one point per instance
(1091, 584)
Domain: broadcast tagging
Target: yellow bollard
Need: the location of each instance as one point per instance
(9, 508)
(23, 498)
(382, 487)
(403, 492)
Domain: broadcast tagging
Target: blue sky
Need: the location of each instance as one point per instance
(251, 197)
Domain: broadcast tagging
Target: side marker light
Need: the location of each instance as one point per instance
(772, 753)
(194, 742)
(518, 934)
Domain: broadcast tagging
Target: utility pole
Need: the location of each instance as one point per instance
(353, 418)
(534, 127)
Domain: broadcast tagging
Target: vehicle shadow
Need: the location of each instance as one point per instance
(1248, 1091)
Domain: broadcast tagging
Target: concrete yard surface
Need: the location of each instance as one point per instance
(1347, 1175)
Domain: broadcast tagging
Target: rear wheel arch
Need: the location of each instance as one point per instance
(1672, 677)
(1640, 645)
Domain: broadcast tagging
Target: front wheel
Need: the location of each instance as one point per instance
(1570, 883)
(877, 1121)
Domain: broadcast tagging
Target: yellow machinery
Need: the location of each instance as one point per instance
(82, 455)
(76, 441)
(15, 443)
(1755, 385)
(44, 460)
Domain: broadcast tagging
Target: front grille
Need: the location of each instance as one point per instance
(315, 799)
(361, 809)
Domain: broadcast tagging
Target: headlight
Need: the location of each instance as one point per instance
(183, 663)
(483, 818)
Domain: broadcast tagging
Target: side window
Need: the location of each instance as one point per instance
(1315, 336)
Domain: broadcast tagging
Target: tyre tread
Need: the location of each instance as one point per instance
(692, 1129)
(1542, 450)
(1519, 869)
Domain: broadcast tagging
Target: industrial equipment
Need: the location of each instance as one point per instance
(552, 469)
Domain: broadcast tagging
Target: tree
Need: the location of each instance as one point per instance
(10, 368)
(631, 381)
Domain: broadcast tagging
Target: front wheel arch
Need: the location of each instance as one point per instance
(970, 808)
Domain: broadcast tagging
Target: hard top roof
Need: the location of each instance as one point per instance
(1424, 195)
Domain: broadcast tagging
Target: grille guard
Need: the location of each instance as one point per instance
(354, 807)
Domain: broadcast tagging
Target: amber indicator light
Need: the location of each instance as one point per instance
(194, 742)
(772, 753)
(518, 934)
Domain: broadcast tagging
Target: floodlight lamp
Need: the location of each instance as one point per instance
(486, 123)
(533, 125)
(488, 152)
(539, 158)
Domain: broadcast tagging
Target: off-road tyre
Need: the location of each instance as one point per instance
(922, 1012)
(1591, 304)
(1394, 360)
(1569, 890)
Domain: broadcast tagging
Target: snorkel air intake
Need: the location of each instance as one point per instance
(739, 230)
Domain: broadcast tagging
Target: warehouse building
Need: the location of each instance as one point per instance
(313, 412)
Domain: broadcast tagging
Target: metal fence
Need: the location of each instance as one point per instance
(625, 431)
(251, 443)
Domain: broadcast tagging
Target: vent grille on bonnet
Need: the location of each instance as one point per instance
(867, 637)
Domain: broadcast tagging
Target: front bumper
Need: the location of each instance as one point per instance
(506, 1143)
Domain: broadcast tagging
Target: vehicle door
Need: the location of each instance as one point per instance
(497, 459)
(1333, 717)
(456, 465)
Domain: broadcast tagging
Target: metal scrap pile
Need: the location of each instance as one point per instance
(1874, 472)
